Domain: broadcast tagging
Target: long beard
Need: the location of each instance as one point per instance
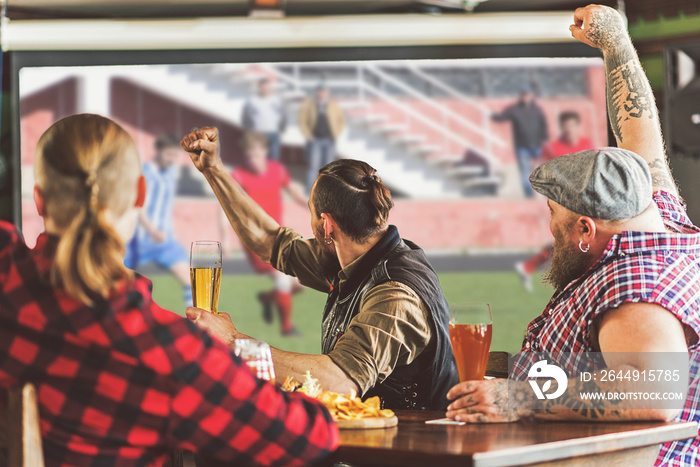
(568, 263)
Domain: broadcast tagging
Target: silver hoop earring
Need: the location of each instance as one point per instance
(328, 240)
(580, 247)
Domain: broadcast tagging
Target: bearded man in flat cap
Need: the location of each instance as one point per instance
(626, 273)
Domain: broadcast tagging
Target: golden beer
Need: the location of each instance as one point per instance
(205, 274)
(205, 288)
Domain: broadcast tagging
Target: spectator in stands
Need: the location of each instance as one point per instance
(530, 132)
(570, 140)
(120, 381)
(154, 241)
(626, 273)
(321, 122)
(264, 180)
(265, 113)
(385, 324)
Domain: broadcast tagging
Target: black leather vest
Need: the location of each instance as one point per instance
(423, 384)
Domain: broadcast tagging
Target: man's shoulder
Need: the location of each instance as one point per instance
(10, 237)
(407, 250)
(409, 265)
(392, 290)
(645, 276)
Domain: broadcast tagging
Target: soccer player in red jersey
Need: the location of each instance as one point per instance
(265, 180)
(120, 381)
(570, 140)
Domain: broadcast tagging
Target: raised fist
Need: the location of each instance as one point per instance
(599, 26)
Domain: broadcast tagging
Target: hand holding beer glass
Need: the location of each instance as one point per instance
(470, 335)
(205, 274)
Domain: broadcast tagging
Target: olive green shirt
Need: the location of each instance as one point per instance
(391, 329)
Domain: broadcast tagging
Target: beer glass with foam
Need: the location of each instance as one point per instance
(205, 274)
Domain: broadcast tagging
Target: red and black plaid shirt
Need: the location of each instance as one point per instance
(124, 381)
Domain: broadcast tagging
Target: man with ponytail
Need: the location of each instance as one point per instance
(385, 324)
(120, 381)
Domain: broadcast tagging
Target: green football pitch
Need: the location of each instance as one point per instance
(512, 307)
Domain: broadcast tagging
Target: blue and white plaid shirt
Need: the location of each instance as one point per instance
(649, 267)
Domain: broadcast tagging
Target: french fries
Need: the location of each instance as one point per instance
(344, 407)
(341, 406)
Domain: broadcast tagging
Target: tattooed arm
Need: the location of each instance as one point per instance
(631, 106)
(501, 400)
(636, 336)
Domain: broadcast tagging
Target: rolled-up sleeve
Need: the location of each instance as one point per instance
(299, 257)
(391, 329)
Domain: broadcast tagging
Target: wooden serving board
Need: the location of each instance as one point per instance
(367, 423)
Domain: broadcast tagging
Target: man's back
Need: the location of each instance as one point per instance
(124, 381)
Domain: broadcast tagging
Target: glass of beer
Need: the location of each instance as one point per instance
(470, 335)
(205, 274)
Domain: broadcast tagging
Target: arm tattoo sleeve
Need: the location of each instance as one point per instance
(628, 93)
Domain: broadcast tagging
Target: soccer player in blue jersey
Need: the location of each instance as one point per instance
(154, 240)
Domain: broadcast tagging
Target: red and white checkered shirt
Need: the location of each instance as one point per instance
(648, 267)
(122, 382)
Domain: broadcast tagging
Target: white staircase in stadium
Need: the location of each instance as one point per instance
(422, 160)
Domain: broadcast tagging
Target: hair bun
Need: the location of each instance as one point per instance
(369, 178)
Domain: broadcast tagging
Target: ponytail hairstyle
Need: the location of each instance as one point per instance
(87, 169)
(350, 191)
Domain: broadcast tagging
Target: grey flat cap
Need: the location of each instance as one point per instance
(608, 183)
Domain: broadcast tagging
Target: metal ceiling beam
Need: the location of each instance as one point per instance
(249, 33)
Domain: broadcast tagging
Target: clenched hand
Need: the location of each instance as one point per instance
(599, 26)
(202, 145)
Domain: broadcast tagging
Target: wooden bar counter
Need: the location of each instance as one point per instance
(413, 443)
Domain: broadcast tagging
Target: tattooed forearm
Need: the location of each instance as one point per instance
(631, 106)
(569, 405)
(661, 178)
(591, 409)
(628, 94)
